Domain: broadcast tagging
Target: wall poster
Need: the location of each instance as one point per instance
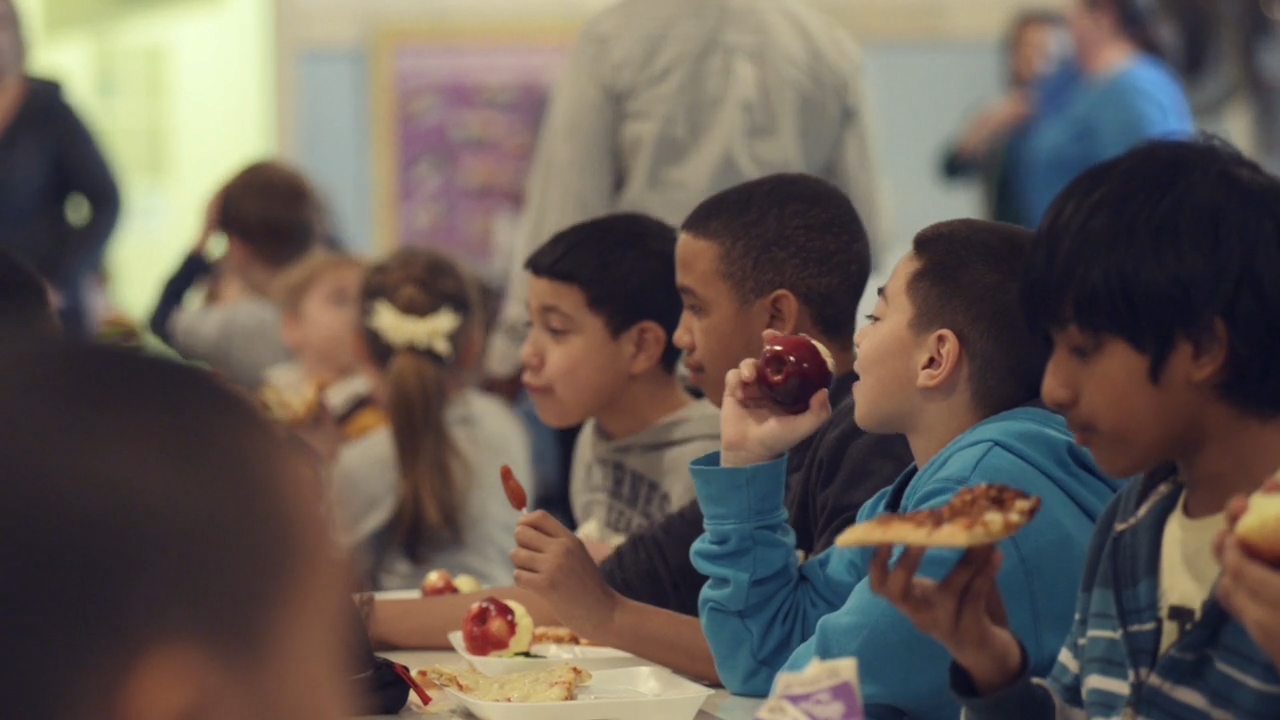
(457, 118)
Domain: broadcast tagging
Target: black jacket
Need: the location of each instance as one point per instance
(46, 156)
(830, 476)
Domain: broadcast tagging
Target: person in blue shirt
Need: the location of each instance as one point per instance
(948, 361)
(1116, 95)
(989, 147)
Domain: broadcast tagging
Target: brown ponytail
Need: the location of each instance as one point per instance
(418, 382)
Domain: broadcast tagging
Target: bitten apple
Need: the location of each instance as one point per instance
(792, 369)
(467, 584)
(439, 582)
(1259, 526)
(497, 627)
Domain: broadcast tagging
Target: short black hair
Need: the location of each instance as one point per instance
(1157, 245)
(967, 281)
(25, 306)
(791, 232)
(142, 502)
(625, 264)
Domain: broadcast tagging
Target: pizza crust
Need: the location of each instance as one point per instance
(551, 635)
(979, 515)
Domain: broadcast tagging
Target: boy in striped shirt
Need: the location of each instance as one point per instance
(1156, 275)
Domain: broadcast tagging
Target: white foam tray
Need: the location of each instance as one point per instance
(587, 657)
(638, 693)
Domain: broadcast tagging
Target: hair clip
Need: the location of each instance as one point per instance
(428, 333)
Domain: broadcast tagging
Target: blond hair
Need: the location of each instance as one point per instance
(298, 279)
(418, 283)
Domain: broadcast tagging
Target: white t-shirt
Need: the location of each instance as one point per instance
(1188, 570)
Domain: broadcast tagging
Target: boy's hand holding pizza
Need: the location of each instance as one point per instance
(1249, 550)
(963, 612)
(754, 426)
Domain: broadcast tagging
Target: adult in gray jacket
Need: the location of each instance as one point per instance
(666, 102)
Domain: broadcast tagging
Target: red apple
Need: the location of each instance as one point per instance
(494, 627)
(438, 582)
(792, 369)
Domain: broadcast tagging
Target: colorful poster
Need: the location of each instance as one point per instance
(464, 122)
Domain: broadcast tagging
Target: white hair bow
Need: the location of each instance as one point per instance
(429, 333)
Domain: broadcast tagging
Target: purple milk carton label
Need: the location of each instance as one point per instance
(840, 702)
(825, 690)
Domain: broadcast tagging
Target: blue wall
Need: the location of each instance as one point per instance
(920, 93)
(335, 139)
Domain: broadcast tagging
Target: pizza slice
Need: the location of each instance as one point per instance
(557, 684)
(978, 515)
(550, 635)
(291, 407)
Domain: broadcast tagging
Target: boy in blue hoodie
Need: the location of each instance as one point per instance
(947, 361)
(1156, 275)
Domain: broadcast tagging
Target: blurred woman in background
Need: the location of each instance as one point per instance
(1117, 94)
(1036, 46)
(47, 157)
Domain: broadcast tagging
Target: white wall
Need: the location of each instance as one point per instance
(179, 96)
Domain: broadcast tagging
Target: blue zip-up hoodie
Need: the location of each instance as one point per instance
(763, 611)
(1110, 665)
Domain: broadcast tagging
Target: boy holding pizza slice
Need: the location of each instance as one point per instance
(946, 360)
(1155, 274)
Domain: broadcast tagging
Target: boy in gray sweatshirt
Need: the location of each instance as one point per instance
(604, 307)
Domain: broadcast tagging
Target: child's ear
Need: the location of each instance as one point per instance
(1209, 354)
(238, 254)
(784, 311)
(648, 343)
(940, 362)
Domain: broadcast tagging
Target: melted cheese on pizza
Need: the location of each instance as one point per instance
(558, 684)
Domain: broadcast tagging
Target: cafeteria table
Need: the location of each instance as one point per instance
(721, 706)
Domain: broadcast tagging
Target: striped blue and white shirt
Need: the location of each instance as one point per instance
(1111, 666)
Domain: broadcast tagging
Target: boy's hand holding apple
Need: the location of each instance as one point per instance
(1249, 587)
(773, 403)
